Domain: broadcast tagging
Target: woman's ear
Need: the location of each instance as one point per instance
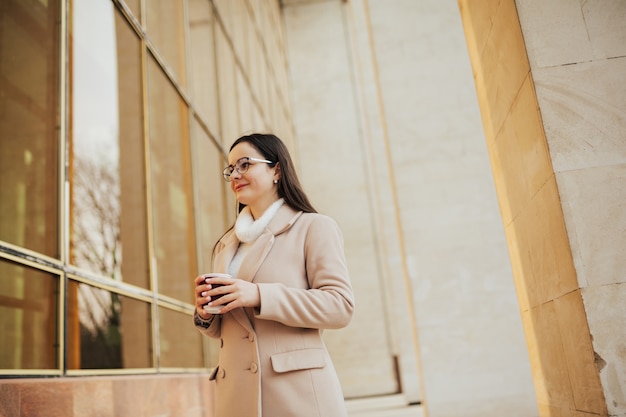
(277, 171)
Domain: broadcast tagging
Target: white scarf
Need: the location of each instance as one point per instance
(248, 230)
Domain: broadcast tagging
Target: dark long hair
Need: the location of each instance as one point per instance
(289, 188)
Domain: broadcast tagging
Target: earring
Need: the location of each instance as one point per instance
(275, 181)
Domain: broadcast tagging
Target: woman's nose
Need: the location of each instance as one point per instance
(235, 175)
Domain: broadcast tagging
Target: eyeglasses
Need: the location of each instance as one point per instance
(241, 166)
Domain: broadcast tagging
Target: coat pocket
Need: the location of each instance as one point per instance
(298, 359)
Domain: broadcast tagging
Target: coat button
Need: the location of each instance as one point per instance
(253, 368)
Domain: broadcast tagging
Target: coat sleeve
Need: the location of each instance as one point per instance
(328, 303)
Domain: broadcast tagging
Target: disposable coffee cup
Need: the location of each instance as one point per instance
(214, 309)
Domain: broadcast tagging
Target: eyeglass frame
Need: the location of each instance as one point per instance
(237, 166)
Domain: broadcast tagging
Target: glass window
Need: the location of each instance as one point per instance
(166, 30)
(29, 112)
(227, 89)
(131, 139)
(28, 317)
(108, 211)
(134, 6)
(180, 343)
(211, 189)
(204, 91)
(170, 187)
(107, 330)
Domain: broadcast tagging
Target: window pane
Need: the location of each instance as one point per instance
(166, 31)
(171, 188)
(29, 74)
(202, 57)
(107, 330)
(134, 7)
(211, 189)
(226, 89)
(109, 228)
(28, 317)
(180, 342)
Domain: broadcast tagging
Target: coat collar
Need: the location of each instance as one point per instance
(284, 218)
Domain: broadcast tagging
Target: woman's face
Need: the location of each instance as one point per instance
(254, 188)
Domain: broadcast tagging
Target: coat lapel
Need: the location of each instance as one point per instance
(282, 221)
(225, 255)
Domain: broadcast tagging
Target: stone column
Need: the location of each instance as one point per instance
(550, 77)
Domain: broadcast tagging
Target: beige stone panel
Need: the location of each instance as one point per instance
(518, 261)
(594, 206)
(225, 14)
(477, 71)
(551, 377)
(606, 313)
(504, 65)
(554, 32)
(584, 112)
(521, 160)
(579, 355)
(548, 410)
(547, 268)
(389, 244)
(327, 135)
(478, 18)
(605, 25)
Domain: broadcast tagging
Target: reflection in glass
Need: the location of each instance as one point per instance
(28, 318)
(107, 330)
(29, 76)
(171, 187)
(165, 23)
(202, 62)
(108, 185)
(211, 191)
(180, 342)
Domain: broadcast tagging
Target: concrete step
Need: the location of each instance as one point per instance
(383, 406)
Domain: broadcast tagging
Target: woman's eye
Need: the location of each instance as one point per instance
(244, 165)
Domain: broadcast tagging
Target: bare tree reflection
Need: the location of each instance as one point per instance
(96, 246)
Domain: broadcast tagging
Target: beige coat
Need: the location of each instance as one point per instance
(273, 361)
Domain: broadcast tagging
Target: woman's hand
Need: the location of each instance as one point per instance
(234, 293)
(202, 297)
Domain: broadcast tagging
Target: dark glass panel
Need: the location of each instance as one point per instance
(180, 342)
(28, 317)
(171, 187)
(107, 330)
(109, 226)
(29, 115)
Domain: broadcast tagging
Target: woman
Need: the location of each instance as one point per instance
(288, 281)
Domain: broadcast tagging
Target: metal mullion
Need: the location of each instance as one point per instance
(152, 270)
(143, 295)
(64, 184)
(174, 304)
(31, 263)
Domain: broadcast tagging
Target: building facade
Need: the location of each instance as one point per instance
(115, 121)
(474, 297)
